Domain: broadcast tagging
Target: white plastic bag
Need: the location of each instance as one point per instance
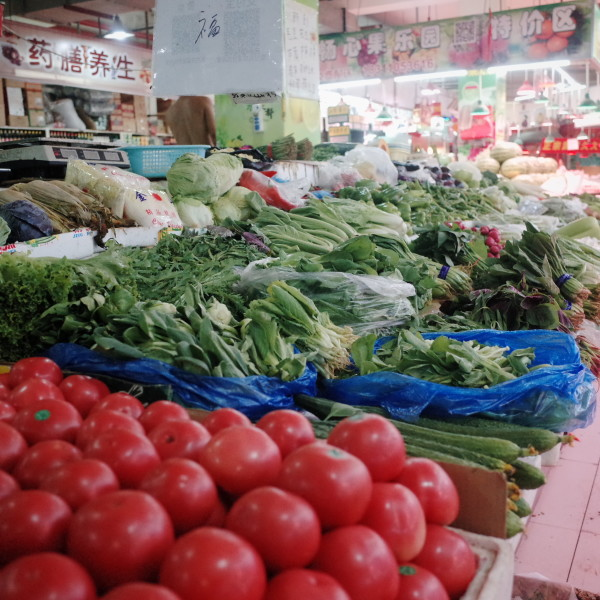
(150, 208)
(373, 163)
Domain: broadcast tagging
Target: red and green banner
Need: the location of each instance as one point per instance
(539, 33)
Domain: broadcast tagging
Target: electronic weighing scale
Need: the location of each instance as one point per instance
(47, 158)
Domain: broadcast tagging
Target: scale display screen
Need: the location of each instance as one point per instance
(61, 153)
(91, 154)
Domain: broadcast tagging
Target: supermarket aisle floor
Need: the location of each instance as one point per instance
(562, 537)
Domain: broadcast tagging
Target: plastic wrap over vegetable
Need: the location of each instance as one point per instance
(25, 220)
(364, 302)
(203, 178)
(4, 231)
(466, 172)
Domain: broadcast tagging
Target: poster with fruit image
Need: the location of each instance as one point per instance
(540, 33)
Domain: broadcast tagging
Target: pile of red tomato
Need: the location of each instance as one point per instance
(103, 497)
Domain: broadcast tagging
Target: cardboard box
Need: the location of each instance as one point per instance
(35, 100)
(15, 121)
(482, 500)
(14, 83)
(37, 118)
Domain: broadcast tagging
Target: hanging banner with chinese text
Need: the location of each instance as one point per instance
(550, 32)
(44, 56)
(217, 47)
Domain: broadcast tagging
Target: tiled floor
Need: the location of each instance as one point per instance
(562, 537)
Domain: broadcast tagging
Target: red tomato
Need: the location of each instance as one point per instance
(5, 379)
(304, 584)
(224, 417)
(417, 583)
(218, 515)
(41, 458)
(240, 458)
(449, 557)
(140, 591)
(4, 392)
(32, 521)
(12, 446)
(36, 367)
(395, 513)
(106, 420)
(361, 561)
(46, 575)
(7, 411)
(120, 402)
(283, 527)
(334, 482)
(374, 440)
(288, 429)
(161, 411)
(130, 456)
(34, 390)
(48, 420)
(8, 484)
(214, 563)
(433, 487)
(83, 392)
(182, 438)
(80, 481)
(186, 491)
(120, 537)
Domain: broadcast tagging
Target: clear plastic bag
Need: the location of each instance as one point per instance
(560, 395)
(373, 163)
(336, 174)
(364, 302)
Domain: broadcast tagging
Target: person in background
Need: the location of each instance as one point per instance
(191, 119)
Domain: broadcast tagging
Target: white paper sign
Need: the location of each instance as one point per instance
(217, 47)
(301, 50)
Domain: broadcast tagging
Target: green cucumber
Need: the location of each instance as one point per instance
(422, 452)
(522, 508)
(526, 476)
(483, 460)
(514, 525)
(541, 440)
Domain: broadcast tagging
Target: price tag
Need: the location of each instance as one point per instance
(254, 98)
(217, 47)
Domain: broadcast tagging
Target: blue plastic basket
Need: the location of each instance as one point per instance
(155, 161)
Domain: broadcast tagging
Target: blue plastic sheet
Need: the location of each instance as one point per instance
(560, 396)
(254, 396)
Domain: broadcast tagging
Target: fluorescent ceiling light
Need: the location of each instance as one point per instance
(117, 31)
(529, 66)
(426, 76)
(525, 97)
(28, 21)
(338, 85)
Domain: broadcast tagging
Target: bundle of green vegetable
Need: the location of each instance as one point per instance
(200, 337)
(448, 245)
(537, 259)
(510, 308)
(441, 360)
(312, 331)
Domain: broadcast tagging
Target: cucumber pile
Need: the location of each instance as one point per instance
(479, 442)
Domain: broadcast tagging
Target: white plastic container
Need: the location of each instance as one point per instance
(494, 577)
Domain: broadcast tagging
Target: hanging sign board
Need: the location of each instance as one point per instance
(525, 35)
(217, 47)
(340, 113)
(301, 38)
(43, 56)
